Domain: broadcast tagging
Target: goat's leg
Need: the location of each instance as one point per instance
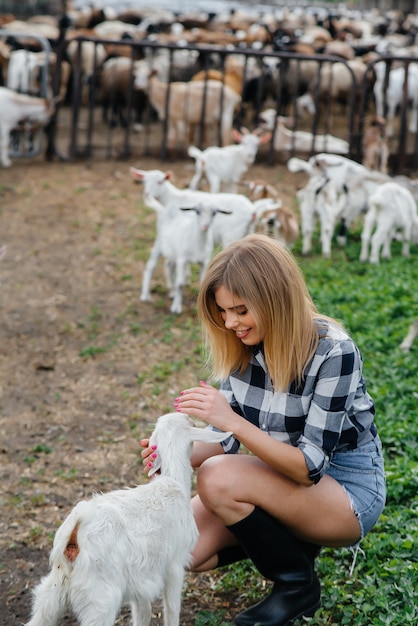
(4, 145)
(380, 238)
(141, 613)
(49, 600)
(307, 227)
(406, 238)
(368, 226)
(149, 269)
(176, 305)
(172, 595)
(170, 269)
(214, 183)
(194, 183)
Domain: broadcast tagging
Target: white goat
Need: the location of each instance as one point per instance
(129, 545)
(185, 238)
(338, 191)
(391, 208)
(224, 229)
(286, 140)
(229, 163)
(394, 94)
(15, 107)
(188, 103)
(406, 344)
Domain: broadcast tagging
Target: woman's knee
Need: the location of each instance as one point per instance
(215, 482)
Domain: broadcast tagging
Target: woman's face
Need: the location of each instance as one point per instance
(237, 317)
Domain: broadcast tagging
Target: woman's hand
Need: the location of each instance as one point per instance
(208, 404)
(148, 454)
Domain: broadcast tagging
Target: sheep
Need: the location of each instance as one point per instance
(391, 207)
(188, 104)
(278, 221)
(192, 243)
(229, 163)
(286, 140)
(128, 545)
(15, 107)
(406, 344)
(157, 186)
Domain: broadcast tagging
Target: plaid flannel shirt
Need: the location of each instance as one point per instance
(330, 411)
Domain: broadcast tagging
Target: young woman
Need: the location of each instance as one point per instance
(293, 394)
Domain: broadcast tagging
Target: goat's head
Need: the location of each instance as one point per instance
(175, 431)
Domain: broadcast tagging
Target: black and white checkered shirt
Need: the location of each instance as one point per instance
(330, 411)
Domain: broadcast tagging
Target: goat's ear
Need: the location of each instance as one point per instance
(236, 135)
(265, 138)
(209, 436)
(169, 174)
(137, 174)
(156, 463)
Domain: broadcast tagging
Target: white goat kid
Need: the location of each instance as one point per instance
(338, 191)
(227, 164)
(225, 228)
(129, 545)
(391, 208)
(15, 107)
(185, 238)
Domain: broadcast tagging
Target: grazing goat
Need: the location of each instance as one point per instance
(278, 221)
(15, 107)
(375, 145)
(227, 164)
(186, 104)
(338, 190)
(286, 140)
(406, 344)
(129, 545)
(224, 229)
(391, 208)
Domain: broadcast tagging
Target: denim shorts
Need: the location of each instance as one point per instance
(361, 473)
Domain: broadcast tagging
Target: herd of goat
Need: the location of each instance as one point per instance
(339, 190)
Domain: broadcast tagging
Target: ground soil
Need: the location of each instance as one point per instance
(70, 282)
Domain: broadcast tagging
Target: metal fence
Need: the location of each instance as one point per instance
(87, 127)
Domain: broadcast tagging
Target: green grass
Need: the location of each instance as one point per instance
(376, 304)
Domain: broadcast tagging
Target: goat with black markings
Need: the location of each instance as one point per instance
(129, 545)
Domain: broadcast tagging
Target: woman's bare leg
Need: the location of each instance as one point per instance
(230, 486)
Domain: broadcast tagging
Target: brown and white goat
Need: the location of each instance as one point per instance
(278, 221)
(375, 145)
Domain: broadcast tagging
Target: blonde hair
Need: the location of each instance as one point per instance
(264, 274)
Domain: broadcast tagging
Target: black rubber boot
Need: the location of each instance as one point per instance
(283, 559)
(229, 555)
